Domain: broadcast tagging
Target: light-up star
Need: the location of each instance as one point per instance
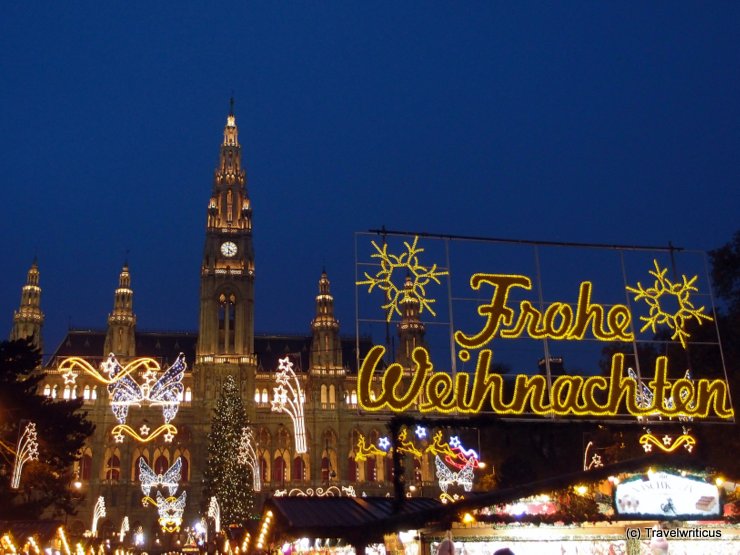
(118, 438)
(667, 440)
(455, 441)
(688, 446)
(168, 437)
(384, 443)
(69, 377)
(150, 376)
(110, 365)
(421, 432)
(144, 430)
(279, 398)
(647, 447)
(596, 461)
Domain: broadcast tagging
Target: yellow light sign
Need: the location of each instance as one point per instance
(569, 395)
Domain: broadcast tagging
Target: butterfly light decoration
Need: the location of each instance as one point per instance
(169, 479)
(165, 390)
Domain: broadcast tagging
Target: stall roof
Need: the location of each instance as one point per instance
(328, 517)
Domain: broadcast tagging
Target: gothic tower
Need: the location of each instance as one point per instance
(28, 319)
(227, 274)
(122, 322)
(410, 328)
(326, 348)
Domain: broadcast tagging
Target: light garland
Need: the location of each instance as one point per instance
(293, 404)
(161, 390)
(124, 528)
(248, 456)
(330, 491)
(28, 450)
(98, 513)
(214, 512)
(667, 444)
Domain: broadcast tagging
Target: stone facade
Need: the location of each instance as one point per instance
(225, 344)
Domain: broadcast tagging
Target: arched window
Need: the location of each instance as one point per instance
(370, 470)
(136, 470)
(185, 472)
(160, 464)
(74, 392)
(86, 464)
(67, 392)
(226, 320)
(86, 393)
(47, 390)
(265, 396)
(113, 467)
(353, 398)
(323, 396)
(299, 468)
(94, 393)
(351, 469)
(54, 391)
(332, 396)
(257, 396)
(264, 469)
(325, 469)
(180, 396)
(188, 395)
(279, 471)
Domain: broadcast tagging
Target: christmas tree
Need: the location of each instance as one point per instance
(225, 478)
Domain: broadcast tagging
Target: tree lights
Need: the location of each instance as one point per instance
(288, 398)
(28, 450)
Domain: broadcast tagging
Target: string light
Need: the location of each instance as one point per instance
(214, 512)
(330, 491)
(611, 325)
(667, 443)
(569, 395)
(28, 450)
(98, 513)
(248, 456)
(291, 404)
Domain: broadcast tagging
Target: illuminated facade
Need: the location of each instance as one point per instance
(225, 344)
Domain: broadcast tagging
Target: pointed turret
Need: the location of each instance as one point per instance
(120, 338)
(326, 347)
(29, 319)
(410, 328)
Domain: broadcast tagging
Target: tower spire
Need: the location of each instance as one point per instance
(326, 351)
(120, 337)
(29, 319)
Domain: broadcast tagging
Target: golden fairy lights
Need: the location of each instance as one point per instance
(392, 388)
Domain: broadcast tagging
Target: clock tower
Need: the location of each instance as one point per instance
(226, 332)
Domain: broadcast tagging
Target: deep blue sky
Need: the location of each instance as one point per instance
(595, 121)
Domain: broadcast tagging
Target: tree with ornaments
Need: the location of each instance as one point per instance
(225, 478)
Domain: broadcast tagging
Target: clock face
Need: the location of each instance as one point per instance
(228, 249)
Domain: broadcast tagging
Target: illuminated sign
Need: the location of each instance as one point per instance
(399, 388)
(666, 495)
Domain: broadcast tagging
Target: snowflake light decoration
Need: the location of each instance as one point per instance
(384, 443)
(291, 404)
(28, 450)
(248, 456)
(658, 314)
(408, 262)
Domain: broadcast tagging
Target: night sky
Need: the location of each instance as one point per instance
(599, 122)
